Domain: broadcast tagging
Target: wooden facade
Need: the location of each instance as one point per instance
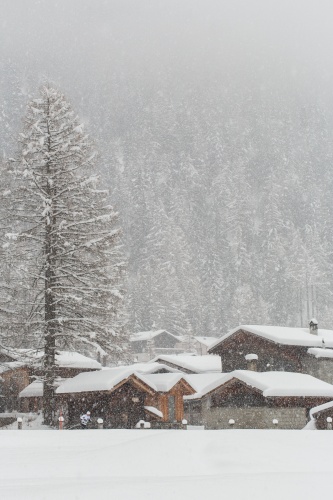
(171, 403)
(125, 404)
(121, 407)
(247, 406)
(272, 356)
(13, 381)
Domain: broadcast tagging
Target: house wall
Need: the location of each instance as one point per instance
(12, 383)
(200, 348)
(161, 402)
(254, 418)
(318, 367)
(121, 409)
(248, 408)
(193, 411)
(271, 356)
(33, 404)
(320, 418)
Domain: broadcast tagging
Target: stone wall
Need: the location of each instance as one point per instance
(253, 418)
(318, 367)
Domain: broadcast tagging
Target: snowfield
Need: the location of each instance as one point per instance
(164, 465)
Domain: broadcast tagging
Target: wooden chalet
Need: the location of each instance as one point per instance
(277, 349)
(123, 397)
(20, 368)
(146, 345)
(14, 376)
(251, 400)
(168, 399)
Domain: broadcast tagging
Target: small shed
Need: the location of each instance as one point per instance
(323, 416)
(145, 345)
(202, 344)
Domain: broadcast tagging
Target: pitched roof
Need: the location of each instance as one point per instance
(207, 341)
(317, 409)
(164, 382)
(64, 359)
(142, 336)
(103, 380)
(109, 378)
(284, 335)
(36, 388)
(6, 366)
(273, 384)
(195, 364)
(319, 352)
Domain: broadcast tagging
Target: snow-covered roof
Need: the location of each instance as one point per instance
(284, 335)
(318, 352)
(67, 359)
(164, 381)
(206, 341)
(36, 388)
(317, 409)
(274, 384)
(108, 378)
(10, 365)
(195, 364)
(64, 359)
(154, 411)
(142, 336)
(153, 367)
(102, 380)
(200, 381)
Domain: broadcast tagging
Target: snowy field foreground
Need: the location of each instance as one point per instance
(164, 465)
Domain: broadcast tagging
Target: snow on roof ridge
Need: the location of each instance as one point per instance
(193, 363)
(319, 408)
(164, 382)
(154, 410)
(274, 384)
(284, 335)
(207, 341)
(320, 352)
(64, 359)
(149, 334)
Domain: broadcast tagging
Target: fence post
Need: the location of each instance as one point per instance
(184, 423)
(99, 423)
(19, 423)
(61, 422)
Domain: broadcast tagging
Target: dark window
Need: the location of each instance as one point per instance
(171, 408)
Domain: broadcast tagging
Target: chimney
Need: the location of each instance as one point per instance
(252, 362)
(313, 326)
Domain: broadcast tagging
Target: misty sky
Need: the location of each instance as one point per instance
(89, 46)
(191, 102)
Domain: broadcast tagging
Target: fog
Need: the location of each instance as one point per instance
(239, 89)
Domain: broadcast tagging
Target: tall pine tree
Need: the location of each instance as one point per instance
(67, 232)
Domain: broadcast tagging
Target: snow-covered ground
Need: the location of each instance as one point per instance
(164, 465)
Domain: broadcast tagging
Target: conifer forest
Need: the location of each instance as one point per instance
(214, 141)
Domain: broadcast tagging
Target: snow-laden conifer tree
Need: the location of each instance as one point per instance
(67, 233)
